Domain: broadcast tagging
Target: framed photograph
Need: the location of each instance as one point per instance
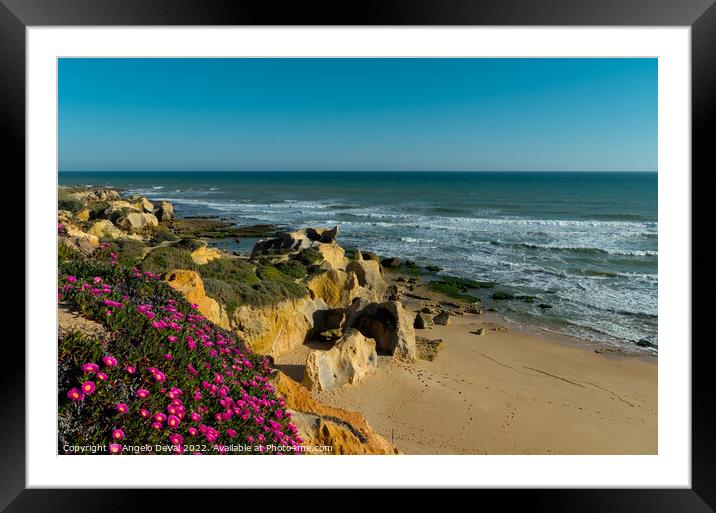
(423, 248)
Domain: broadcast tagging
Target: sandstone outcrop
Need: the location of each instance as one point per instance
(369, 275)
(104, 228)
(320, 239)
(165, 211)
(204, 255)
(190, 285)
(94, 194)
(422, 321)
(137, 222)
(345, 431)
(388, 323)
(442, 318)
(274, 329)
(351, 359)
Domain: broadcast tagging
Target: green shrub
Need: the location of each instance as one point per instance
(129, 252)
(162, 234)
(308, 256)
(166, 258)
(292, 268)
(230, 271)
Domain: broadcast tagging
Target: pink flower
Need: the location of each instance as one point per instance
(71, 279)
(115, 449)
(160, 417)
(122, 408)
(97, 279)
(171, 338)
(142, 393)
(194, 416)
(131, 369)
(88, 387)
(144, 412)
(118, 434)
(75, 394)
(102, 376)
(173, 420)
(193, 431)
(88, 368)
(230, 433)
(109, 361)
(176, 438)
(157, 425)
(168, 356)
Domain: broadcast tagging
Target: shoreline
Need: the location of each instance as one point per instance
(516, 393)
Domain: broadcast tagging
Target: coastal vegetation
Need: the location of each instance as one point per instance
(160, 373)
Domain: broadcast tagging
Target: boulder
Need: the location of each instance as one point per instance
(105, 229)
(204, 255)
(442, 318)
(143, 204)
(82, 245)
(165, 211)
(388, 323)
(390, 262)
(422, 321)
(190, 285)
(64, 216)
(333, 253)
(368, 274)
(137, 222)
(74, 231)
(478, 331)
(119, 208)
(351, 359)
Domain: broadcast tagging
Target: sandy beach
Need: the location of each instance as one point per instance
(505, 392)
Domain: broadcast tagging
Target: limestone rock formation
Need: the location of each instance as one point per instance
(165, 211)
(369, 275)
(442, 318)
(136, 222)
(422, 321)
(94, 194)
(204, 255)
(351, 359)
(388, 323)
(104, 228)
(190, 285)
(274, 329)
(320, 425)
(320, 239)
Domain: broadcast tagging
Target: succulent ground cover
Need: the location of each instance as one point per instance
(163, 375)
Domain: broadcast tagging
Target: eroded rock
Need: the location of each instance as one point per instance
(347, 362)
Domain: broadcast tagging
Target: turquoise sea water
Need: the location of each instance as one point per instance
(585, 243)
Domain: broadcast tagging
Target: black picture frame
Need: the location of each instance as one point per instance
(700, 15)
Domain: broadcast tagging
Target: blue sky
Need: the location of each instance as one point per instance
(358, 114)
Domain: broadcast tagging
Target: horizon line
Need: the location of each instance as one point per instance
(351, 171)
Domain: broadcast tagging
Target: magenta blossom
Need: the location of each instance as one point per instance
(142, 393)
(88, 387)
(122, 408)
(131, 369)
(75, 394)
(102, 376)
(118, 434)
(176, 438)
(89, 368)
(173, 420)
(109, 361)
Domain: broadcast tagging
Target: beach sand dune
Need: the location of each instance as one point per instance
(507, 393)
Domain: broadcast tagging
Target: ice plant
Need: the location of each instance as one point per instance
(89, 368)
(109, 361)
(88, 387)
(142, 393)
(118, 434)
(75, 394)
(122, 408)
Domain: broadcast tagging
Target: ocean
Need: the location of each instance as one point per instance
(585, 243)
